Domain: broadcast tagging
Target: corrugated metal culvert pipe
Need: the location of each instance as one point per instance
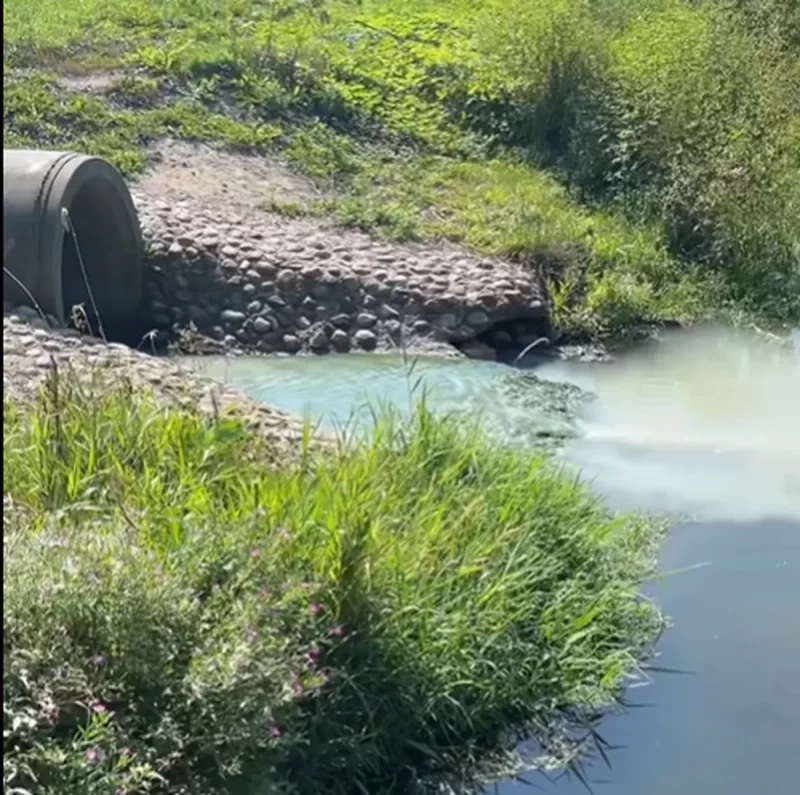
(71, 236)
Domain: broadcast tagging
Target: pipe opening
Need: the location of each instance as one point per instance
(521, 336)
(109, 250)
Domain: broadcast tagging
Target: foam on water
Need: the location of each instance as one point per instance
(704, 421)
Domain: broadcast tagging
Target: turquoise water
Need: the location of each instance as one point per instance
(343, 391)
(704, 426)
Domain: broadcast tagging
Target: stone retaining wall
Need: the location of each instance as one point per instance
(272, 284)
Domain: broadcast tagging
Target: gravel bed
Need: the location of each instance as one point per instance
(30, 351)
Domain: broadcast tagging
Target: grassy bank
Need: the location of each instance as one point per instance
(179, 617)
(643, 154)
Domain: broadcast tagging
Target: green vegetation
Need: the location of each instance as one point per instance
(645, 154)
(183, 616)
(180, 616)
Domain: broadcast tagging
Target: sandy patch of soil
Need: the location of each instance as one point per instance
(242, 184)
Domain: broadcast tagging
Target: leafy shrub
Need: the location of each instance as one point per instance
(671, 111)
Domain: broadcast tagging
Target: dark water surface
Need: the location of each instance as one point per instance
(704, 426)
(729, 725)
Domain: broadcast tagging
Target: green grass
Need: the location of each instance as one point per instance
(670, 129)
(602, 276)
(180, 616)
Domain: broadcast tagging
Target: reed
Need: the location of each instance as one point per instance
(181, 615)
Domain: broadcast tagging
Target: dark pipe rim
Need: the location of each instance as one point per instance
(129, 252)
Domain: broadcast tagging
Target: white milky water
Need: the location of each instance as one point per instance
(705, 422)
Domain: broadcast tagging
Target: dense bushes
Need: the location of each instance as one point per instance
(176, 613)
(672, 112)
(777, 18)
(696, 131)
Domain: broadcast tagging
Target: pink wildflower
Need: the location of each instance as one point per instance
(313, 657)
(94, 756)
